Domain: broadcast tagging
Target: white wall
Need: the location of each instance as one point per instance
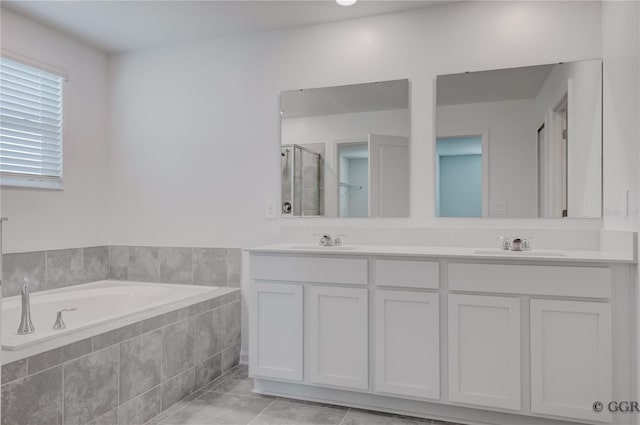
(175, 173)
(621, 126)
(76, 216)
(621, 109)
(328, 129)
(512, 149)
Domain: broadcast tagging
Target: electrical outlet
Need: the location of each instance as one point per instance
(270, 209)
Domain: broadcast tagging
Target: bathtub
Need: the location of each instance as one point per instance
(130, 350)
(100, 307)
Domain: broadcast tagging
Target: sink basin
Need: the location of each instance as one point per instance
(328, 248)
(519, 253)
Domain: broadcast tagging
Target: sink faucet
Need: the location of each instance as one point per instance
(325, 239)
(26, 326)
(518, 244)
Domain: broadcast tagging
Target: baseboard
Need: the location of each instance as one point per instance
(445, 412)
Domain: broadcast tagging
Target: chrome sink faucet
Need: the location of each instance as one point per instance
(518, 244)
(327, 240)
(26, 325)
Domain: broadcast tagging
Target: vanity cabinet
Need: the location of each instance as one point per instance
(571, 358)
(464, 340)
(484, 350)
(276, 342)
(407, 349)
(338, 336)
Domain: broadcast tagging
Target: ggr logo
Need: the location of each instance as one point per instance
(618, 406)
(623, 406)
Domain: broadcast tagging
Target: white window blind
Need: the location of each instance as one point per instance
(30, 125)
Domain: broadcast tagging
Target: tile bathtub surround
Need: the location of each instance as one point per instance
(65, 267)
(197, 266)
(54, 269)
(125, 376)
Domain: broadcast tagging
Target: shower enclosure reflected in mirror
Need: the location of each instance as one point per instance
(520, 142)
(345, 151)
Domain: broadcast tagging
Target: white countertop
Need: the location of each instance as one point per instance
(448, 252)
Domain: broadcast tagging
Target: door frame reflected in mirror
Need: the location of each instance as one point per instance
(338, 144)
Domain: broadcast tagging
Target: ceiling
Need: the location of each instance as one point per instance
(368, 97)
(120, 25)
(491, 86)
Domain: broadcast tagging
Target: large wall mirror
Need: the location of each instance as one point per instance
(521, 142)
(345, 151)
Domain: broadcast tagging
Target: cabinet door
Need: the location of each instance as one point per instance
(276, 349)
(338, 336)
(484, 350)
(570, 358)
(407, 353)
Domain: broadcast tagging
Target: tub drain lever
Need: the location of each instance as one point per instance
(59, 322)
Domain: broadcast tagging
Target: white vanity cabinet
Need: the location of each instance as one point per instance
(571, 358)
(407, 348)
(337, 330)
(484, 350)
(462, 340)
(276, 342)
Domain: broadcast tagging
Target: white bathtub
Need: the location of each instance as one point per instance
(101, 306)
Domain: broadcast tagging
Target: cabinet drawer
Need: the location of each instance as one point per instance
(408, 274)
(584, 282)
(309, 269)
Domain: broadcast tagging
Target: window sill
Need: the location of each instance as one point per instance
(20, 182)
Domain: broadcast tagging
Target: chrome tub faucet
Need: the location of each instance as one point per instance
(26, 325)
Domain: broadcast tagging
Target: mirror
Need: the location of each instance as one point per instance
(521, 142)
(345, 151)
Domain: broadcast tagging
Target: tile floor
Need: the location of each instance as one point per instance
(229, 401)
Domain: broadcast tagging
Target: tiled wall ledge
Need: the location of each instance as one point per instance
(128, 375)
(65, 267)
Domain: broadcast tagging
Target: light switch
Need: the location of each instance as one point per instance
(499, 208)
(270, 209)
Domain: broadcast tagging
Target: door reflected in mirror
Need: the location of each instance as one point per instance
(345, 151)
(459, 175)
(521, 142)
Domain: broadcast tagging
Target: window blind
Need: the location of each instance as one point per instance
(30, 123)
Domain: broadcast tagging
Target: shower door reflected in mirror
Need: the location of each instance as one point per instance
(543, 153)
(345, 151)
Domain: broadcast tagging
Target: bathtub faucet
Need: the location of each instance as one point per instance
(26, 326)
